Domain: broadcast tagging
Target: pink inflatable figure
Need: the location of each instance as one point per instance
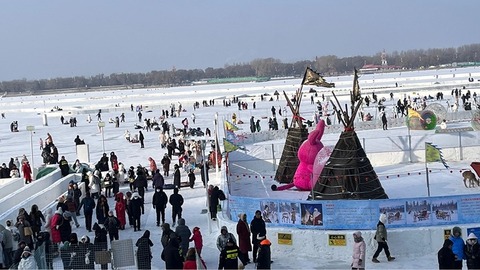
(307, 154)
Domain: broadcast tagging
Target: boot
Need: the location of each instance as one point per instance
(375, 260)
(390, 258)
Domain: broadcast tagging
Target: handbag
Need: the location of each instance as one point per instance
(27, 231)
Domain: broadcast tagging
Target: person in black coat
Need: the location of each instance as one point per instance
(204, 167)
(229, 256)
(171, 254)
(157, 180)
(141, 139)
(136, 206)
(65, 228)
(176, 200)
(214, 201)
(112, 224)
(144, 252)
(472, 252)
(141, 181)
(103, 163)
(102, 209)
(446, 258)
(257, 227)
(264, 256)
(159, 203)
(100, 242)
(63, 165)
(87, 251)
(176, 176)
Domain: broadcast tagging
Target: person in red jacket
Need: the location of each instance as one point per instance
(27, 172)
(120, 207)
(57, 220)
(191, 260)
(197, 240)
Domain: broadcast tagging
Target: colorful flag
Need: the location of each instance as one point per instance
(230, 126)
(228, 146)
(313, 78)
(434, 154)
(413, 114)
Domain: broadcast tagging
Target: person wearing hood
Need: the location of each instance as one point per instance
(141, 182)
(184, 233)
(166, 160)
(120, 209)
(445, 256)
(264, 256)
(381, 237)
(222, 239)
(472, 252)
(136, 206)
(159, 203)
(359, 248)
(112, 224)
(214, 202)
(176, 200)
(57, 220)
(458, 246)
(170, 253)
(197, 240)
(102, 209)
(87, 251)
(28, 261)
(27, 172)
(65, 227)
(94, 183)
(244, 242)
(166, 233)
(144, 251)
(100, 242)
(37, 217)
(64, 167)
(157, 180)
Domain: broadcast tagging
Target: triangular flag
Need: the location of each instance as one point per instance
(313, 78)
(228, 146)
(434, 154)
(230, 126)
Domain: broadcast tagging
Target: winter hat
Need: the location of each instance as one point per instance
(110, 213)
(224, 228)
(457, 230)
(357, 234)
(26, 251)
(383, 218)
(471, 236)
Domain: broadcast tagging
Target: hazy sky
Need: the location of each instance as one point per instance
(58, 38)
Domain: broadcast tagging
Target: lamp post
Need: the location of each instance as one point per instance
(101, 125)
(31, 129)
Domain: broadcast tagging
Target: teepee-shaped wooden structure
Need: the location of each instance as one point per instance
(348, 174)
(297, 133)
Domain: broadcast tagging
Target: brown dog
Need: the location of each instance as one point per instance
(472, 179)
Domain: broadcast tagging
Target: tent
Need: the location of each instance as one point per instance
(348, 173)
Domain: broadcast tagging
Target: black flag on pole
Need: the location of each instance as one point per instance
(313, 78)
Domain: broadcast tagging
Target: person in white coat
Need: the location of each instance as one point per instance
(358, 257)
(28, 261)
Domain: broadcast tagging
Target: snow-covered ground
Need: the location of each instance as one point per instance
(30, 111)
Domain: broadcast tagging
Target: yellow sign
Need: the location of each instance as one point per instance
(284, 238)
(446, 233)
(337, 240)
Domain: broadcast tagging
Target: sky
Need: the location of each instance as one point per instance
(57, 38)
(24, 111)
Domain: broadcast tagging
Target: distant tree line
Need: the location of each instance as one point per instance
(329, 65)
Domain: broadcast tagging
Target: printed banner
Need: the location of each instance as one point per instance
(360, 214)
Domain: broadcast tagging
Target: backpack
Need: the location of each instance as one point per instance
(221, 195)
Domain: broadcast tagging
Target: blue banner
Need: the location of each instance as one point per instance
(359, 214)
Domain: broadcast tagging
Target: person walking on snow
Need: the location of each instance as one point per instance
(381, 237)
(27, 172)
(358, 251)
